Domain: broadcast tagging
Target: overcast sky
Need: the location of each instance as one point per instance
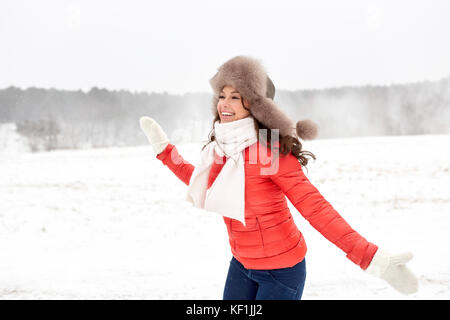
(177, 45)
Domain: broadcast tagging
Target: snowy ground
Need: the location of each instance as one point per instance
(113, 223)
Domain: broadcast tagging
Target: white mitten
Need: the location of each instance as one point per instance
(155, 135)
(393, 269)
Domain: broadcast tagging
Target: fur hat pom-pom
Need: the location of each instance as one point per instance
(307, 129)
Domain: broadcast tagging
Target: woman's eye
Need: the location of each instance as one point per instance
(222, 97)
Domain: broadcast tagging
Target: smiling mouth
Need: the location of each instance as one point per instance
(227, 114)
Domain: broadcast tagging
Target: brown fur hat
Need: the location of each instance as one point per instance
(248, 76)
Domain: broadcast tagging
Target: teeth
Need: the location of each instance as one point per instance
(226, 114)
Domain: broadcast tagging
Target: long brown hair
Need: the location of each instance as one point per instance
(288, 144)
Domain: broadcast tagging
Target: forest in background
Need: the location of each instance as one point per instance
(62, 119)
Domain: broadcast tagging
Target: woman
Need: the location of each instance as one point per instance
(245, 176)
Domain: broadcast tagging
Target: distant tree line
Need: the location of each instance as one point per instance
(55, 119)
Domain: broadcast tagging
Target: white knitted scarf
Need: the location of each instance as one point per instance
(226, 195)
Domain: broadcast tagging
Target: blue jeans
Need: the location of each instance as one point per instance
(274, 284)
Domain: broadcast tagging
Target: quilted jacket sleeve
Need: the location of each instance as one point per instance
(319, 212)
(175, 162)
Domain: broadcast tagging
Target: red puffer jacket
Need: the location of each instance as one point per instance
(270, 239)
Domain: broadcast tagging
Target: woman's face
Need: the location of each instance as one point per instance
(230, 106)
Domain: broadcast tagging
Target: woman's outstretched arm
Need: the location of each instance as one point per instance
(165, 151)
(319, 212)
(323, 217)
(175, 162)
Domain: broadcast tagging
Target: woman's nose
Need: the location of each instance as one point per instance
(226, 101)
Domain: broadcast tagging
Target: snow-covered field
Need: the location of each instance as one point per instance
(113, 223)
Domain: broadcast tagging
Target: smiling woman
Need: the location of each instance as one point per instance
(231, 105)
(268, 250)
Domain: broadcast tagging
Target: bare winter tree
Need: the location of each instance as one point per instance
(41, 134)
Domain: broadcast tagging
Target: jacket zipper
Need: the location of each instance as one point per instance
(260, 231)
